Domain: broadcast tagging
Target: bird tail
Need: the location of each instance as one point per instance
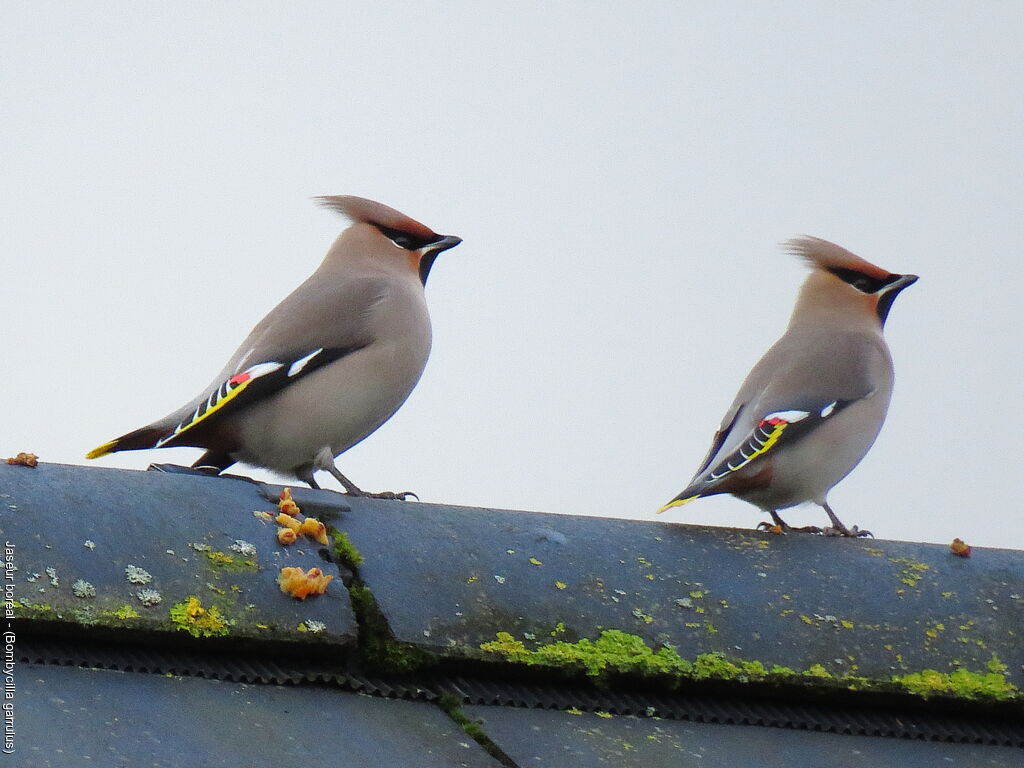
(683, 498)
(146, 437)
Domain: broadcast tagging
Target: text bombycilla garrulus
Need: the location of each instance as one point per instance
(813, 405)
(327, 366)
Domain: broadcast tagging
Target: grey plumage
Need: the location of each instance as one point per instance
(811, 408)
(328, 365)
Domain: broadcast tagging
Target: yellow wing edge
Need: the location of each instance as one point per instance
(676, 503)
(102, 450)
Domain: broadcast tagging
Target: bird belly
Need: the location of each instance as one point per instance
(808, 469)
(335, 407)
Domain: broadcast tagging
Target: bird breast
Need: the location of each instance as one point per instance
(340, 404)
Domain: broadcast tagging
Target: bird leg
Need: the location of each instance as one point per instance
(351, 489)
(305, 475)
(778, 525)
(838, 529)
(325, 460)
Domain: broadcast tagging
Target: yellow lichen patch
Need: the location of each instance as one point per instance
(190, 616)
(126, 612)
(231, 562)
(911, 571)
(301, 584)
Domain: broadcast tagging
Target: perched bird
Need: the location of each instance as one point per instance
(328, 366)
(813, 405)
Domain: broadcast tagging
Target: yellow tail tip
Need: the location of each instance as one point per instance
(676, 503)
(101, 450)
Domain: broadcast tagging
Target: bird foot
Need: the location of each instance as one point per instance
(782, 528)
(852, 533)
(394, 495)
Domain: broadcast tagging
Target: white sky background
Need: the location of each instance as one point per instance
(622, 175)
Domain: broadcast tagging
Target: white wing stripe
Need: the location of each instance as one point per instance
(298, 365)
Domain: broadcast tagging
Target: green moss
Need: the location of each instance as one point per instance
(961, 683)
(613, 651)
(451, 705)
(377, 645)
(34, 611)
(190, 616)
(345, 551)
(616, 652)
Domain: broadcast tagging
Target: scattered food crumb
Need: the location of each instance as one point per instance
(200, 547)
(295, 582)
(245, 548)
(89, 544)
(169, 552)
(312, 626)
(24, 460)
(287, 504)
(499, 579)
(51, 573)
(259, 514)
(560, 585)
(136, 575)
(149, 597)
(315, 530)
(83, 589)
(684, 602)
(286, 536)
(289, 522)
(535, 561)
(960, 548)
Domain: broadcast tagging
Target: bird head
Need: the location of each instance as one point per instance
(421, 244)
(841, 279)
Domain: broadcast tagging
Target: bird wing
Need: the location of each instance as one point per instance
(317, 324)
(770, 432)
(767, 413)
(257, 382)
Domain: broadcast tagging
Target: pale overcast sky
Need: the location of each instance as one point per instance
(622, 175)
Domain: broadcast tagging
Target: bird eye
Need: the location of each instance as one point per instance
(401, 239)
(858, 280)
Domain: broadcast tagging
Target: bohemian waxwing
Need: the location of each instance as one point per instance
(329, 364)
(811, 408)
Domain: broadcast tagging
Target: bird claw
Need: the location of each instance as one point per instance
(776, 528)
(852, 533)
(393, 495)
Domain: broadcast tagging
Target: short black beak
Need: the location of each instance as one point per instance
(904, 281)
(431, 251)
(446, 242)
(889, 293)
